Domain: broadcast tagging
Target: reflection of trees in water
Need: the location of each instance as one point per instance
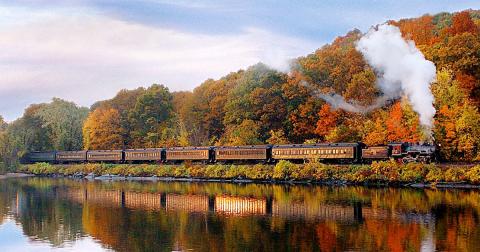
(42, 215)
(6, 200)
(216, 217)
(457, 228)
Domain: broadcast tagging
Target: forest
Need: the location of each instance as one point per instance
(260, 105)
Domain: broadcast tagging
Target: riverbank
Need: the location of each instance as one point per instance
(377, 173)
(15, 175)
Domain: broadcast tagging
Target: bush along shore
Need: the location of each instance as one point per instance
(377, 173)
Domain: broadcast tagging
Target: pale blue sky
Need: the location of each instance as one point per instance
(85, 51)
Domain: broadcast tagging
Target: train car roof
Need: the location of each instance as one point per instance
(104, 150)
(145, 149)
(71, 151)
(244, 147)
(190, 148)
(316, 145)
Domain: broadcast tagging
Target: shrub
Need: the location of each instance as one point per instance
(303, 172)
(235, 171)
(434, 174)
(410, 175)
(473, 175)
(122, 170)
(41, 168)
(97, 169)
(196, 171)
(259, 171)
(324, 172)
(135, 170)
(164, 171)
(385, 171)
(181, 171)
(283, 170)
(358, 173)
(215, 171)
(455, 174)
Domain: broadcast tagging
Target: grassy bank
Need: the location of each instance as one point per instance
(378, 172)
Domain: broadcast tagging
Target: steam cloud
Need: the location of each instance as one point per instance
(402, 71)
(405, 69)
(337, 101)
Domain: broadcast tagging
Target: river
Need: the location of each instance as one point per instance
(45, 214)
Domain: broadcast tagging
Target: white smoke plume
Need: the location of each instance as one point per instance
(337, 101)
(403, 69)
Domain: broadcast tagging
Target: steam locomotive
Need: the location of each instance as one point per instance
(324, 152)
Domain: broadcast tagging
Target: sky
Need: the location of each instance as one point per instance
(85, 51)
(12, 238)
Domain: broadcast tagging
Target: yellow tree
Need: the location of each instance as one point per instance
(375, 132)
(277, 137)
(468, 128)
(102, 130)
(245, 133)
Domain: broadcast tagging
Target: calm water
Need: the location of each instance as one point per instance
(41, 214)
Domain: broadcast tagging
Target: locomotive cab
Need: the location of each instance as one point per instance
(413, 152)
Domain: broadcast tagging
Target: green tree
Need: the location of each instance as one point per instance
(150, 115)
(258, 97)
(245, 133)
(362, 88)
(3, 124)
(64, 122)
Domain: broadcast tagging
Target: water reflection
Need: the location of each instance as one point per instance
(134, 216)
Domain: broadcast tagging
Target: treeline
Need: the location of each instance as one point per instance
(261, 105)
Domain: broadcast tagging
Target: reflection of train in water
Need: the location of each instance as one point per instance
(236, 205)
(325, 152)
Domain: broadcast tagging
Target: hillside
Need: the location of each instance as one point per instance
(261, 105)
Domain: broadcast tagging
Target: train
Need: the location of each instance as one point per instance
(324, 152)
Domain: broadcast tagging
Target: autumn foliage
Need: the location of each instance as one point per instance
(260, 105)
(102, 130)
